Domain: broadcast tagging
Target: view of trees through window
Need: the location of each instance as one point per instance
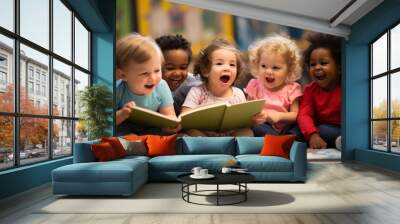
(385, 94)
(40, 82)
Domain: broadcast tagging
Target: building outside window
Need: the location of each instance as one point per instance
(44, 91)
(30, 87)
(3, 78)
(385, 94)
(44, 77)
(30, 72)
(37, 75)
(57, 125)
(3, 61)
(38, 89)
(3, 72)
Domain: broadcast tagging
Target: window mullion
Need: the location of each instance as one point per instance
(389, 106)
(371, 89)
(73, 82)
(16, 83)
(50, 81)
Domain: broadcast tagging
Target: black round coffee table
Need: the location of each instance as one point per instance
(238, 179)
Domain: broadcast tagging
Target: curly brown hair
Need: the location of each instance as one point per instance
(202, 64)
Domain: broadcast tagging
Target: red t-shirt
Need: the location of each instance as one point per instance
(318, 106)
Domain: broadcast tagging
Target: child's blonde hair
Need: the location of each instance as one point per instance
(203, 63)
(137, 48)
(280, 45)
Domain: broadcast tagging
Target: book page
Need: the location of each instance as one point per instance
(240, 115)
(151, 118)
(206, 118)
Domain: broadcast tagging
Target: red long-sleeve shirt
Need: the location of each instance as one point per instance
(318, 106)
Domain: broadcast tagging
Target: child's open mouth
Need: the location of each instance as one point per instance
(270, 79)
(320, 77)
(175, 81)
(225, 78)
(149, 86)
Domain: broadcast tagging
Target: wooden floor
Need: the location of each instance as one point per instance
(354, 182)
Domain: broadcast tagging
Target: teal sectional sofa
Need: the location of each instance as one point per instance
(125, 176)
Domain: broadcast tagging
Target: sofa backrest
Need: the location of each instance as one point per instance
(190, 146)
(83, 153)
(249, 145)
(206, 145)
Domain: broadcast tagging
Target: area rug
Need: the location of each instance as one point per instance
(166, 198)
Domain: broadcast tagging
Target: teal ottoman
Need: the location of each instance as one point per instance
(118, 177)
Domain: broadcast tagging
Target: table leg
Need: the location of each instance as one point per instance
(217, 194)
(245, 191)
(188, 192)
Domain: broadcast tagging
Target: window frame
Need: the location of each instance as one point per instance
(388, 74)
(16, 115)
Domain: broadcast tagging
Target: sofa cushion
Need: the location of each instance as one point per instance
(277, 145)
(161, 145)
(128, 159)
(112, 171)
(134, 147)
(103, 152)
(185, 163)
(116, 145)
(118, 177)
(249, 145)
(257, 163)
(135, 137)
(207, 145)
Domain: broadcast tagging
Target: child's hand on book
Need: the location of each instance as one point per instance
(127, 109)
(273, 117)
(260, 118)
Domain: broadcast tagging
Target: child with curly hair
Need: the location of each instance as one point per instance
(275, 61)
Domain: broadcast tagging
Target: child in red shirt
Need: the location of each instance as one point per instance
(320, 107)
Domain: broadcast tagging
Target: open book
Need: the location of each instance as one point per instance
(216, 117)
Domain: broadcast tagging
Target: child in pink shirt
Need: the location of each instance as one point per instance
(275, 61)
(219, 64)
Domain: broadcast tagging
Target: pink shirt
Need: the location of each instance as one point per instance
(279, 101)
(200, 95)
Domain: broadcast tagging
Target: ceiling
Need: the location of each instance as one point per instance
(326, 16)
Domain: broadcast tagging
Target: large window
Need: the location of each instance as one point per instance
(44, 64)
(385, 93)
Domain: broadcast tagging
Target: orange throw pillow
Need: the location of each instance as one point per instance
(103, 151)
(135, 137)
(278, 145)
(116, 145)
(161, 145)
